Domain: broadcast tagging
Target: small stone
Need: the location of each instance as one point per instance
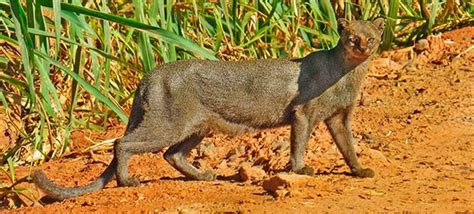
(294, 193)
(251, 173)
(184, 211)
(376, 154)
(202, 164)
(281, 184)
(365, 101)
(206, 150)
(280, 145)
(421, 45)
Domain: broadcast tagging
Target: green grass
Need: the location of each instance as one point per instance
(75, 64)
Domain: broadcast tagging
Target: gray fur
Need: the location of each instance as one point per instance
(182, 102)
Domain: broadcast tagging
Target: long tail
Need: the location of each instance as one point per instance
(57, 192)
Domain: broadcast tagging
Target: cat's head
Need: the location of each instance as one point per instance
(360, 38)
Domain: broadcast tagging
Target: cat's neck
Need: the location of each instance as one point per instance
(320, 70)
(343, 60)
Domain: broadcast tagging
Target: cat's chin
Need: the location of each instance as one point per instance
(358, 54)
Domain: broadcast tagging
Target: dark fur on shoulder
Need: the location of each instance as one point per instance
(182, 102)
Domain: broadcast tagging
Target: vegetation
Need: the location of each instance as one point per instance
(75, 64)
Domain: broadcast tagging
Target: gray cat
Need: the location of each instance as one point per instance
(182, 102)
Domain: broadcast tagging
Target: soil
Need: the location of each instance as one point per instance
(414, 125)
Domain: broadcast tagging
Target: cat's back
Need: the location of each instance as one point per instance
(256, 93)
(249, 81)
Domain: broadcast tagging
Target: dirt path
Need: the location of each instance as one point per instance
(414, 125)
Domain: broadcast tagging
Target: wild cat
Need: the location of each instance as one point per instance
(180, 103)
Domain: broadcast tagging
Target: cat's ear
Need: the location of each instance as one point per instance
(342, 23)
(379, 23)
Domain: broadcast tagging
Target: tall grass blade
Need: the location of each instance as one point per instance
(389, 31)
(107, 42)
(74, 89)
(151, 30)
(146, 51)
(57, 26)
(433, 14)
(87, 86)
(228, 24)
(26, 47)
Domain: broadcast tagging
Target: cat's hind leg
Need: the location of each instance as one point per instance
(176, 156)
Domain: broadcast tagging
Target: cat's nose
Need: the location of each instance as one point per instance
(363, 44)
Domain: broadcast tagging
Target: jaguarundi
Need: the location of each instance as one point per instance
(181, 102)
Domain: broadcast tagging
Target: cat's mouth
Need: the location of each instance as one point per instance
(359, 53)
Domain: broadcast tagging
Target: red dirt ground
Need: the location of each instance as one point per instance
(413, 125)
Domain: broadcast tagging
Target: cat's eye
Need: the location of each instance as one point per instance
(353, 39)
(371, 40)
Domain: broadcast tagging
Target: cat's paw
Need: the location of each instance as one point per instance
(206, 176)
(364, 173)
(129, 182)
(306, 170)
